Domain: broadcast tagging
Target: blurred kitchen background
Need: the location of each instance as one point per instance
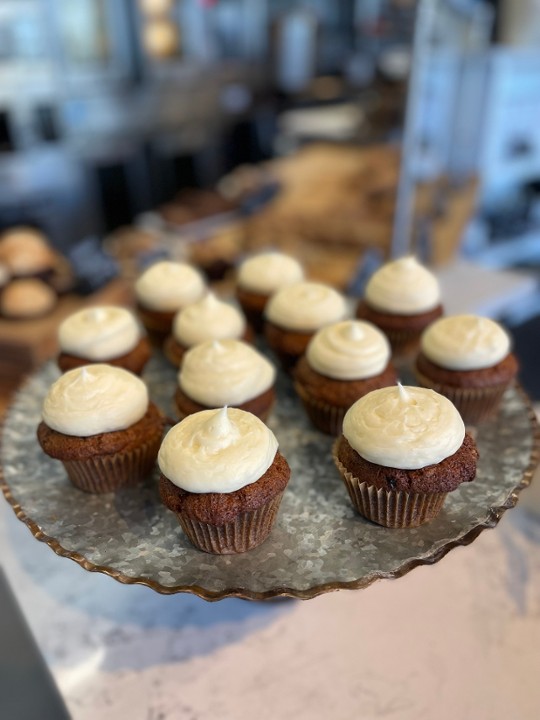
(346, 131)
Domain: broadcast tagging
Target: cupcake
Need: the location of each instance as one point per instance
(223, 477)
(26, 252)
(469, 360)
(343, 362)
(161, 291)
(5, 276)
(295, 313)
(402, 298)
(225, 372)
(98, 421)
(207, 319)
(261, 276)
(27, 299)
(104, 334)
(403, 449)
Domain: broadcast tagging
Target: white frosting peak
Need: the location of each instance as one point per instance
(465, 342)
(99, 333)
(168, 286)
(306, 306)
(349, 350)
(403, 287)
(404, 396)
(404, 427)
(217, 451)
(207, 319)
(268, 272)
(226, 372)
(95, 399)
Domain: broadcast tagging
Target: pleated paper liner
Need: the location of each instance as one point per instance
(173, 351)
(390, 508)
(326, 418)
(474, 404)
(245, 532)
(108, 473)
(404, 343)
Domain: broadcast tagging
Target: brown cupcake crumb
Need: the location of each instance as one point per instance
(134, 360)
(392, 321)
(221, 508)
(442, 477)
(259, 405)
(340, 393)
(71, 447)
(499, 374)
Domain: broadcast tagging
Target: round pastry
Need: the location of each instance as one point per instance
(161, 291)
(101, 334)
(468, 359)
(295, 313)
(98, 421)
(343, 362)
(259, 277)
(223, 476)
(207, 319)
(225, 372)
(27, 299)
(403, 449)
(4, 275)
(402, 298)
(26, 252)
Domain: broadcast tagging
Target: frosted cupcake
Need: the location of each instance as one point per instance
(26, 253)
(223, 476)
(402, 298)
(468, 359)
(295, 313)
(259, 277)
(104, 334)
(343, 362)
(225, 372)
(161, 291)
(207, 319)
(99, 422)
(401, 452)
(27, 299)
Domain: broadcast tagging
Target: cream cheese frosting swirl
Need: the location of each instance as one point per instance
(349, 350)
(217, 451)
(99, 333)
(95, 399)
(268, 272)
(306, 306)
(404, 427)
(403, 287)
(168, 286)
(208, 319)
(224, 372)
(465, 342)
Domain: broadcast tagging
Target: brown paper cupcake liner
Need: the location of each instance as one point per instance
(326, 418)
(173, 351)
(109, 473)
(474, 404)
(390, 508)
(403, 342)
(245, 532)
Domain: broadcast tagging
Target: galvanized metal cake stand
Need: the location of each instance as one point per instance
(319, 543)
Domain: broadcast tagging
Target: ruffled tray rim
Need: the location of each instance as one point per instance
(494, 515)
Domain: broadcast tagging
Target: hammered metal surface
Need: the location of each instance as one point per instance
(319, 541)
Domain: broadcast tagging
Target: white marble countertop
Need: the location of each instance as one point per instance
(460, 639)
